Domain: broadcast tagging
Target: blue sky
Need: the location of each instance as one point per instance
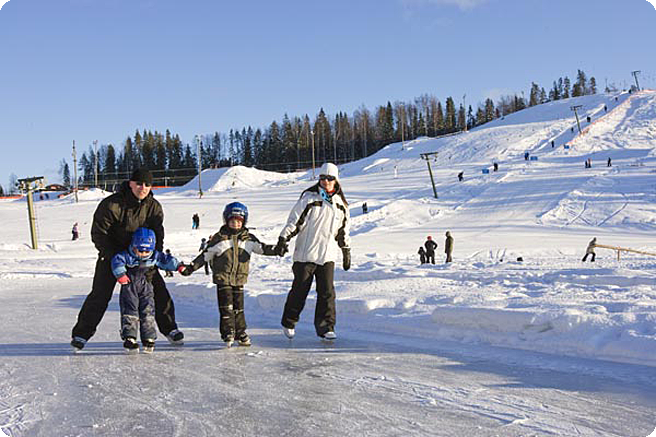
(89, 70)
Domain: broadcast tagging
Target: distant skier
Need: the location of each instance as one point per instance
(448, 246)
(75, 231)
(430, 246)
(365, 208)
(552, 144)
(590, 250)
(495, 166)
(461, 176)
(608, 163)
(422, 255)
(526, 155)
(195, 221)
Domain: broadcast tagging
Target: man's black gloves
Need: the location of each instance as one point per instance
(281, 248)
(346, 258)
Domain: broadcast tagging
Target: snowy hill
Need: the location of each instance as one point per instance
(546, 316)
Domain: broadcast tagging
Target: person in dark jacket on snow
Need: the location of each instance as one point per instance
(114, 221)
(203, 246)
(448, 246)
(422, 255)
(133, 268)
(229, 251)
(430, 246)
(320, 220)
(76, 233)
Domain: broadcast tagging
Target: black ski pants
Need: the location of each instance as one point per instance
(430, 257)
(232, 320)
(96, 302)
(594, 255)
(324, 313)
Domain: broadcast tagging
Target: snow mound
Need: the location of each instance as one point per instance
(237, 177)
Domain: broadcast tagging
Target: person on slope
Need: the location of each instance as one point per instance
(320, 220)
(448, 247)
(422, 255)
(229, 253)
(430, 246)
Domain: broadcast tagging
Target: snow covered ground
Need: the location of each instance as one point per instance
(486, 345)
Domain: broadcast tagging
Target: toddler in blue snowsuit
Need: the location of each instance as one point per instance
(133, 269)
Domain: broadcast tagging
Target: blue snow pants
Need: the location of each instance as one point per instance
(137, 303)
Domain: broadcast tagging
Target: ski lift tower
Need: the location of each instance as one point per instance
(28, 185)
(427, 157)
(574, 108)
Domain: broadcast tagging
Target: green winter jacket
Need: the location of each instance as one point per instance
(229, 255)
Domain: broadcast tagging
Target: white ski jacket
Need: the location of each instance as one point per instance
(322, 228)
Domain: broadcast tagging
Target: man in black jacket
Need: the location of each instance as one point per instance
(114, 221)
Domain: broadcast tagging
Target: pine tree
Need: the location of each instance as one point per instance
(566, 84)
(534, 94)
(489, 110)
(450, 115)
(462, 119)
(109, 164)
(65, 173)
(593, 86)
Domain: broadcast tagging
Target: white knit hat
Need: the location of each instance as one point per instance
(329, 169)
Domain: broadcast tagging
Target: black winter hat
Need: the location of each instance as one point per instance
(142, 175)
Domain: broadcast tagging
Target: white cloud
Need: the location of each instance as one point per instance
(2, 3)
(462, 4)
(653, 3)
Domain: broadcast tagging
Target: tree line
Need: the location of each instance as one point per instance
(297, 142)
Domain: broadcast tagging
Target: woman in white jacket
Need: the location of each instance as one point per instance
(320, 220)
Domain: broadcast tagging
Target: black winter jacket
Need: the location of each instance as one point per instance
(119, 215)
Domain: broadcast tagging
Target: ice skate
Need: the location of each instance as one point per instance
(329, 336)
(244, 340)
(78, 344)
(130, 345)
(289, 332)
(148, 346)
(175, 337)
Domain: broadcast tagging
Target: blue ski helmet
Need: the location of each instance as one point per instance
(143, 240)
(235, 209)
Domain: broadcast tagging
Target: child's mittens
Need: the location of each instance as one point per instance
(185, 270)
(123, 280)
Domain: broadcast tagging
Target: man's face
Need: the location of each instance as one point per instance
(140, 189)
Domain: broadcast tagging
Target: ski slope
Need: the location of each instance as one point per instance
(486, 345)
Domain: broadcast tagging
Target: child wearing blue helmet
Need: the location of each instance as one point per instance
(229, 252)
(133, 269)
